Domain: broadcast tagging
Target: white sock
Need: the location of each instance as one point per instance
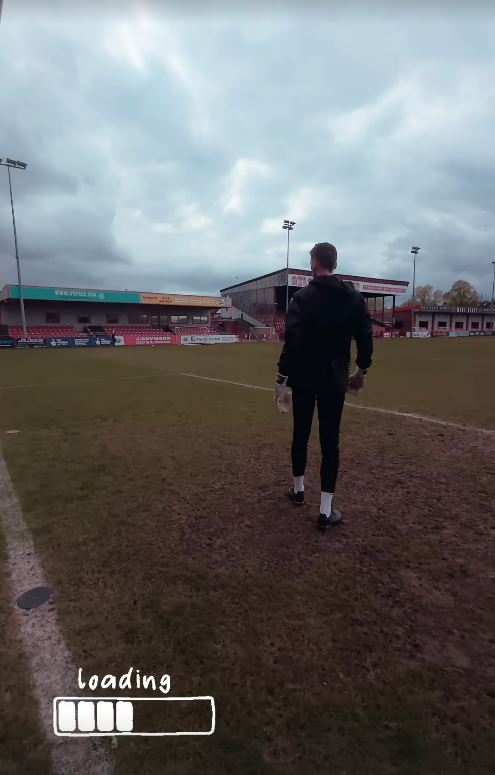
(326, 503)
(299, 484)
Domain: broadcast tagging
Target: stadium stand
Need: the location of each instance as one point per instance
(148, 329)
(263, 334)
(138, 328)
(380, 327)
(268, 319)
(237, 326)
(280, 324)
(193, 330)
(43, 332)
(91, 330)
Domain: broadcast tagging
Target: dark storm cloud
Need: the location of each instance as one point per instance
(61, 246)
(164, 151)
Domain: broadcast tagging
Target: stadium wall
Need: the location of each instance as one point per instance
(435, 319)
(70, 312)
(443, 320)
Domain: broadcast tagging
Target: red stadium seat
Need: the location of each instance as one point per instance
(43, 332)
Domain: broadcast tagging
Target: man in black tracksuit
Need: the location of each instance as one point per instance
(315, 362)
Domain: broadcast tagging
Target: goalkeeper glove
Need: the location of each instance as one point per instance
(356, 381)
(282, 394)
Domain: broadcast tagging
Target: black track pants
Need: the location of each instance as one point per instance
(330, 404)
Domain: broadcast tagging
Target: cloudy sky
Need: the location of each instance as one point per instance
(164, 150)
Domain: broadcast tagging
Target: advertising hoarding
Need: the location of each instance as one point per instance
(180, 300)
(147, 339)
(209, 339)
(364, 286)
(31, 292)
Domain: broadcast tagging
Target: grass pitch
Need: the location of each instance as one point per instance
(156, 504)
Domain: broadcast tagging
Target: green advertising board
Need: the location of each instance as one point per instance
(74, 294)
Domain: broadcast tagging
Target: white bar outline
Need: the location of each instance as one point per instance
(136, 734)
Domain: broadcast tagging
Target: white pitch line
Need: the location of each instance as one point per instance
(52, 670)
(393, 412)
(227, 382)
(424, 418)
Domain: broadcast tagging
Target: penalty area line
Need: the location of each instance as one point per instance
(52, 670)
(378, 409)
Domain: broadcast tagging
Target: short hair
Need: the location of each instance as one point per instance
(325, 254)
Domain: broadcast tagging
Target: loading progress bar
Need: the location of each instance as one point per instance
(142, 716)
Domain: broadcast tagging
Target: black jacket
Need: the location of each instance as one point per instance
(321, 321)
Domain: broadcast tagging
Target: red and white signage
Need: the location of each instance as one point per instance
(364, 286)
(209, 339)
(299, 280)
(147, 339)
(367, 286)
